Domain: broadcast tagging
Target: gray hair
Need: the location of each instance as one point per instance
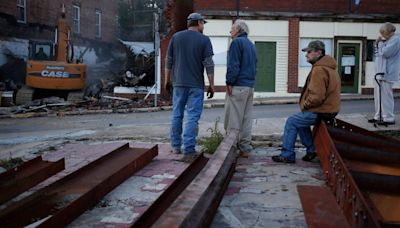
(241, 24)
(387, 28)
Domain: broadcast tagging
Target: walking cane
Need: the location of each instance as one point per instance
(380, 99)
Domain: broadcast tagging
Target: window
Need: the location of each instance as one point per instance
(21, 11)
(370, 50)
(98, 24)
(304, 42)
(77, 19)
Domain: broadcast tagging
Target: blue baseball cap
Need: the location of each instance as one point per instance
(196, 17)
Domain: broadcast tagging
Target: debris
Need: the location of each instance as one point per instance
(116, 98)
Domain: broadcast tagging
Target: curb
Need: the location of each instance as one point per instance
(207, 104)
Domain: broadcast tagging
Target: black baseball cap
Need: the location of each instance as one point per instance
(196, 17)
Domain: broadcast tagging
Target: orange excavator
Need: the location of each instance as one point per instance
(53, 74)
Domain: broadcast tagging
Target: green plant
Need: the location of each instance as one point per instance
(211, 143)
(10, 163)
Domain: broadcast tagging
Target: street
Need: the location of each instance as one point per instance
(31, 125)
(19, 137)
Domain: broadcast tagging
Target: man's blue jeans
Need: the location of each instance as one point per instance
(298, 123)
(192, 99)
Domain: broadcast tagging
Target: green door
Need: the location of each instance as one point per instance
(265, 78)
(349, 66)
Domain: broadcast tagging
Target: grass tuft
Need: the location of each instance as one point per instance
(210, 144)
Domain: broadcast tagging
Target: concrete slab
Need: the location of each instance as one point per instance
(263, 193)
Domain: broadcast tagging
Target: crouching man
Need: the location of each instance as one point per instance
(320, 98)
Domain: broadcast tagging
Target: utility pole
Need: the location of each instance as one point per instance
(156, 52)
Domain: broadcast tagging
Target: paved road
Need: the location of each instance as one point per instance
(8, 126)
(25, 135)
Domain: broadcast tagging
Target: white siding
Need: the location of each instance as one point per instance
(263, 31)
(217, 27)
(321, 30)
(268, 28)
(317, 29)
(331, 29)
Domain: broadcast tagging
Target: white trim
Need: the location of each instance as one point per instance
(76, 18)
(21, 6)
(98, 16)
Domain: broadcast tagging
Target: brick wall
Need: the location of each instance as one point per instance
(321, 6)
(176, 14)
(42, 18)
(293, 58)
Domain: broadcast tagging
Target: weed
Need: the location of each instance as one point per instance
(211, 143)
(10, 163)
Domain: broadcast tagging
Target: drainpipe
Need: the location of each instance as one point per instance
(237, 8)
(350, 6)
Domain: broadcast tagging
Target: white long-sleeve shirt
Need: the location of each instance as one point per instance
(379, 60)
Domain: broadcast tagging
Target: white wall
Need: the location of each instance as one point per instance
(260, 30)
(333, 29)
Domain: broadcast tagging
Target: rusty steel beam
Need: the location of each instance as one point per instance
(28, 174)
(376, 168)
(377, 182)
(321, 211)
(171, 193)
(340, 124)
(363, 153)
(360, 139)
(197, 204)
(358, 212)
(64, 200)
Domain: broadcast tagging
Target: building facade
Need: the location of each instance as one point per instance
(280, 29)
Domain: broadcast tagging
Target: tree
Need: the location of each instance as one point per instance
(136, 18)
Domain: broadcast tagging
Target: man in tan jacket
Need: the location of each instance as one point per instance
(320, 98)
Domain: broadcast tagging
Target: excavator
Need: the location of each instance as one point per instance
(55, 73)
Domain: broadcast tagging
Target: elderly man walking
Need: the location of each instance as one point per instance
(189, 52)
(387, 68)
(240, 80)
(320, 98)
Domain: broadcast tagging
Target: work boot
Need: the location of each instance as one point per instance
(176, 151)
(280, 158)
(244, 154)
(309, 156)
(189, 158)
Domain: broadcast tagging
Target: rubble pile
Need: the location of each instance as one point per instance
(60, 107)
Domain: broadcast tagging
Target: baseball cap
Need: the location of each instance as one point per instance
(315, 45)
(196, 17)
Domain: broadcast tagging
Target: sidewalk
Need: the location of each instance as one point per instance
(288, 100)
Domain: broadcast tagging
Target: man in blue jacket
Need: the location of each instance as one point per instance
(240, 80)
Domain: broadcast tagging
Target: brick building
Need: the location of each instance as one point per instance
(24, 22)
(280, 29)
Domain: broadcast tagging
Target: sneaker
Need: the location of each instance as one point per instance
(176, 151)
(309, 156)
(372, 120)
(386, 123)
(189, 158)
(280, 158)
(244, 154)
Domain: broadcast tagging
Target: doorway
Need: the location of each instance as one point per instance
(349, 67)
(265, 78)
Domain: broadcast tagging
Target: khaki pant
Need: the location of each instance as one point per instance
(238, 114)
(386, 99)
